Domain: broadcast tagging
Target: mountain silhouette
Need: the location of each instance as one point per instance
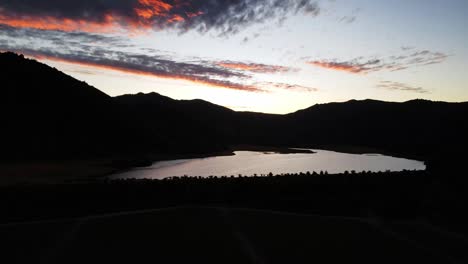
(192, 126)
(419, 127)
(48, 114)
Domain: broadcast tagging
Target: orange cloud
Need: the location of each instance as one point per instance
(175, 18)
(151, 8)
(144, 15)
(347, 67)
(64, 24)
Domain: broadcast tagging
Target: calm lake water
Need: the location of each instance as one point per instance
(248, 163)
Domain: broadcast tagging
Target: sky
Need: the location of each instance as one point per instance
(274, 56)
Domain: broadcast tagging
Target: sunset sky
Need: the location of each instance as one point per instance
(273, 56)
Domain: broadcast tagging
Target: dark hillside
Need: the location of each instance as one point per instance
(48, 114)
(191, 126)
(418, 127)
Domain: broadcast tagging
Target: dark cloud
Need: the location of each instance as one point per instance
(247, 39)
(348, 19)
(231, 16)
(400, 62)
(397, 86)
(91, 9)
(60, 37)
(405, 48)
(224, 16)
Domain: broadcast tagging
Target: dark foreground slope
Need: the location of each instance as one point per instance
(214, 235)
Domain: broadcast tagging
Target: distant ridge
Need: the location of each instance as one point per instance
(46, 113)
(156, 98)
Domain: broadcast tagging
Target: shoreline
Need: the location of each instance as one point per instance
(91, 169)
(271, 149)
(349, 149)
(88, 170)
(146, 162)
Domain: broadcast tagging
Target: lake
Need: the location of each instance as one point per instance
(249, 163)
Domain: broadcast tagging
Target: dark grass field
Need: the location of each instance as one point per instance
(222, 235)
(388, 217)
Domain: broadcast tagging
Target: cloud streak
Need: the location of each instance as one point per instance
(254, 67)
(287, 86)
(400, 62)
(60, 38)
(223, 16)
(347, 66)
(151, 66)
(397, 86)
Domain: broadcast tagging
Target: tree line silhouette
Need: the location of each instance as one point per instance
(401, 195)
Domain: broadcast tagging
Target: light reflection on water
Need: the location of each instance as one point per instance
(249, 163)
